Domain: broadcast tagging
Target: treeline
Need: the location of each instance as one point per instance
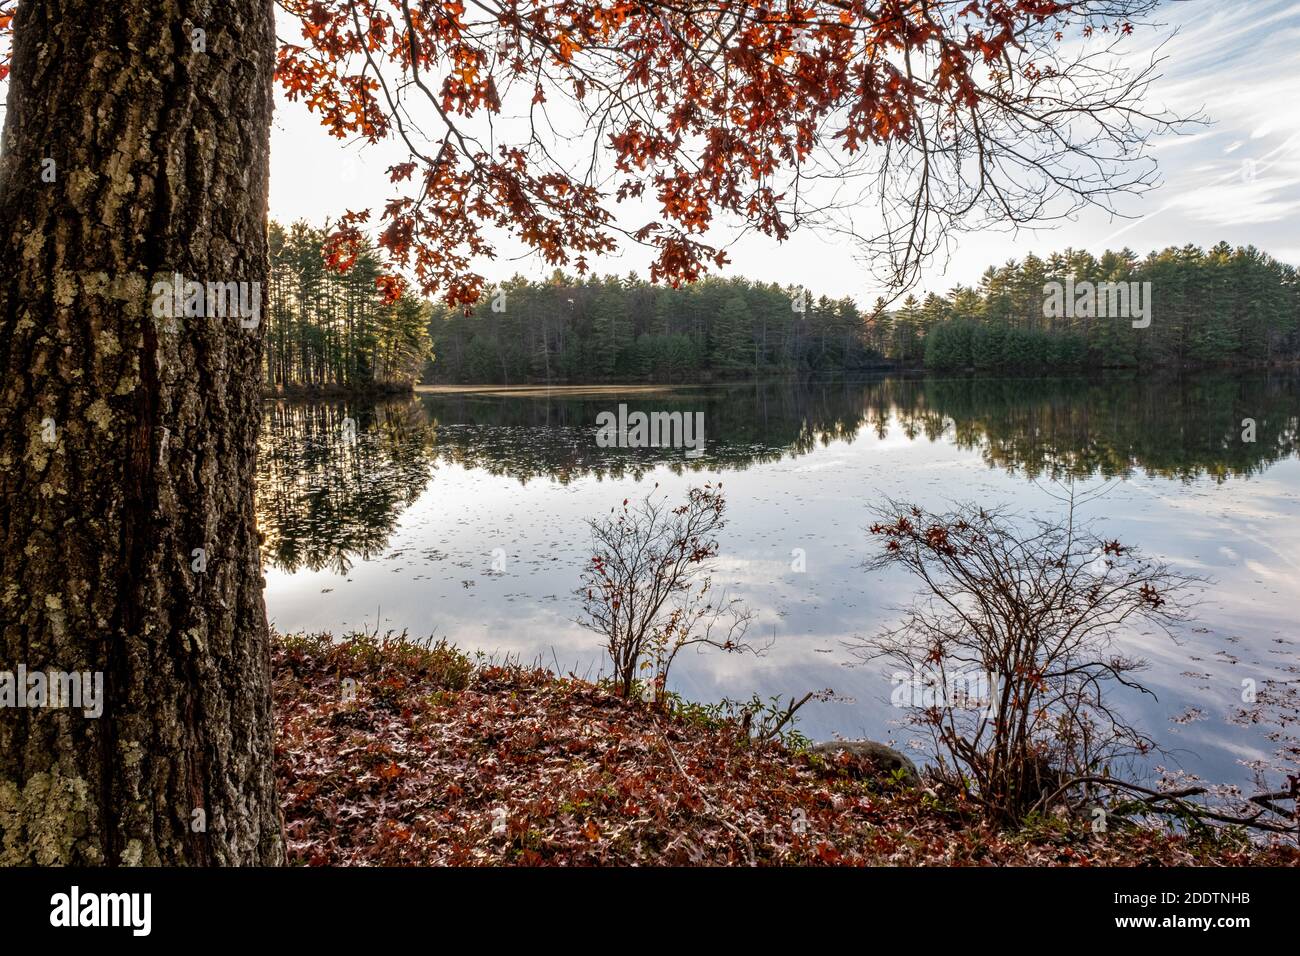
(627, 330)
(1222, 307)
(1227, 306)
(331, 329)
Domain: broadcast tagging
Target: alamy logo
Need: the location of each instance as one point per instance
(655, 430)
(188, 299)
(1101, 300)
(82, 690)
(75, 908)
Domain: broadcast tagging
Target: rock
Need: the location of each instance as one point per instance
(884, 759)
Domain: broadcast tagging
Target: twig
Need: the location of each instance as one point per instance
(786, 716)
(1174, 797)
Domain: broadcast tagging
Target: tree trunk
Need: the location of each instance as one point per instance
(127, 438)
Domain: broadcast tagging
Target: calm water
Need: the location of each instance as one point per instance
(399, 526)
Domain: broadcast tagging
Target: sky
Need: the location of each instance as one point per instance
(1237, 178)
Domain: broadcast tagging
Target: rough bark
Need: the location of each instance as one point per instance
(127, 440)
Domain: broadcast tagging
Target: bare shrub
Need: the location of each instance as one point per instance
(1034, 607)
(648, 587)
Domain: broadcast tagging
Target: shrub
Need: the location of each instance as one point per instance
(1034, 611)
(648, 588)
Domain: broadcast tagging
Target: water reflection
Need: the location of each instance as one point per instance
(334, 477)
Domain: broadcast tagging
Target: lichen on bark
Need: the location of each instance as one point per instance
(162, 166)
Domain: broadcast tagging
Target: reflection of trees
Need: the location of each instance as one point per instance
(327, 491)
(321, 500)
(1182, 428)
(743, 425)
(1177, 428)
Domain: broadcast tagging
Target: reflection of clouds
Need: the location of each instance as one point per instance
(1258, 523)
(1263, 570)
(527, 612)
(819, 466)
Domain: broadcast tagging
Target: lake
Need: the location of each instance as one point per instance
(462, 515)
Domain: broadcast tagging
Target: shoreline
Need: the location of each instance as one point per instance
(532, 389)
(393, 752)
(601, 389)
(335, 391)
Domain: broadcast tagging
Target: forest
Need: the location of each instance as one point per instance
(1227, 306)
(333, 329)
(1224, 306)
(626, 329)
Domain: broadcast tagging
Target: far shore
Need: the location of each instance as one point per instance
(579, 390)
